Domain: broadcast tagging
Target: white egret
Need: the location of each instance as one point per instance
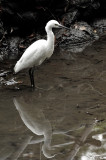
(37, 52)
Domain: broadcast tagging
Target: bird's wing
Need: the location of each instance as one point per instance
(33, 56)
(35, 52)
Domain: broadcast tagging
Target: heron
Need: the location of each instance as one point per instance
(38, 51)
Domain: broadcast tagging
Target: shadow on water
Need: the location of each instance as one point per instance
(65, 117)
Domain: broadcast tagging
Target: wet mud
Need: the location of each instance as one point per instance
(64, 118)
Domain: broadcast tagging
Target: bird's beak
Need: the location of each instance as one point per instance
(61, 26)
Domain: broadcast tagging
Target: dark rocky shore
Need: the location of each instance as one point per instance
(22, 22)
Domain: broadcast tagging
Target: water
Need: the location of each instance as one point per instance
(65, 117)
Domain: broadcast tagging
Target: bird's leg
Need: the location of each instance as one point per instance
(31, 74)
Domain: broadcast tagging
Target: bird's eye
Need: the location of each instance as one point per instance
(56, 24)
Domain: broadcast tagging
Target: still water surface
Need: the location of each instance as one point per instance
(65, 117)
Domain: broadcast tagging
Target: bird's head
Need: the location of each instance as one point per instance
(54, 24)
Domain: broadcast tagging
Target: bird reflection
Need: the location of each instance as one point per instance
(35, 120)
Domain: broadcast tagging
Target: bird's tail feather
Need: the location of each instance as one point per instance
(17, 67)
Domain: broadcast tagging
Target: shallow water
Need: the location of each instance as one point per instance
(65, 117)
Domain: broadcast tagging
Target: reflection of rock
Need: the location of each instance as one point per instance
(95, 152)
(35, 120)
(101, 137)
(79, 143)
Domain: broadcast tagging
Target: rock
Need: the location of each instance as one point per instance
(27, 16)
(19, 19)
(9, 49)
(99, 26)
(80, 36)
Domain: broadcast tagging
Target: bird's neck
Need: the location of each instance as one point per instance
(50, 39)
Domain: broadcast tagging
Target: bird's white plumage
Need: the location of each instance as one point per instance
(33, 56)
(36, 53)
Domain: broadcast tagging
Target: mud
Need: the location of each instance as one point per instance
(64, 118)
